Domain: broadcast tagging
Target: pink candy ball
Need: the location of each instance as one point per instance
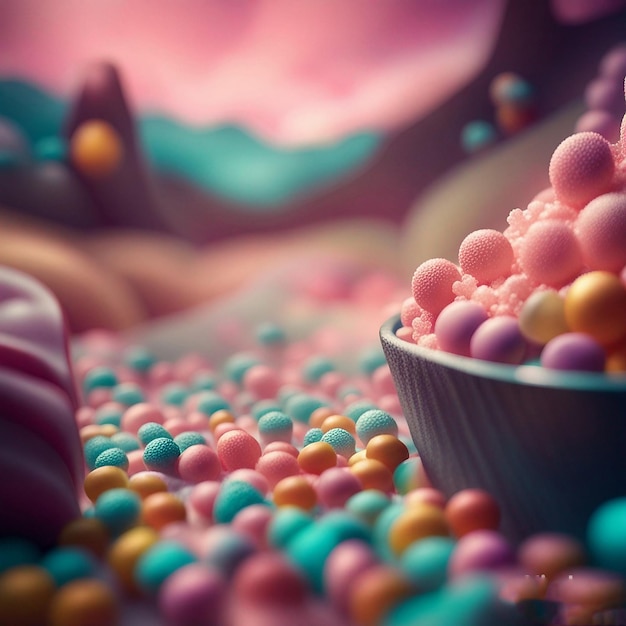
(198, 463)
(277, 465)
(601, 230)
(486, 255)
(336, 486)
(253, 522)
(262, 381)
(238, 449)
(500, 340)
(343, 565)
(194, 594)
(252, 477)
(550, 253)
(480, 551)
(432, 284)
(139, 414)
(202, 498)
(457, 323)
(581, 168)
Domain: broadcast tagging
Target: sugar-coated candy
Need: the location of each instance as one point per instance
(387, 449)
(26, 592)
(162, 508)
(373, 474)
(338, 421)
(238, 449)
(275, 426)
(152, 430)
(480, 551)
(581, 168)
(341, 440)
(415, 523)
(287, 522)
(118, 508)
(115, 457)
(16, 551)
(253, 522)
(102, 479)
(276, 465)
(335, 486)
(542, 316)
(295, 491)
(425, 562)
(233, 496)
(486, 254)
(375, 422)
(161, 454)
(368, 504)
(67, 563)
(146, 483)
(472, 509)
(88, 533)
(198, 463)
(605, 535)
(432, 284)
(317, 457)
(96, 149)
(225, 549)
(84, 602)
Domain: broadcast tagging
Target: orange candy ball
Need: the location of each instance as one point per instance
(25, 595)
(126, 552)
(357, 457)
(373, 474)
(595, 304)
(338, 421)
(295, 491)
(319, 415)
(417, 522)
(317, 457)
(96, 149)
(102, 479)
(86, 532)
(387, 449)
(163, 508)
(374, 592)
(472, 509)
(84, 602)
(146, 484)
(220, 417)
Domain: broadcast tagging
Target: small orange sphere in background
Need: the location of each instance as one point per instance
(472, 509)
(387, 449)
(96, 149)
(86, 532)
(126, 552)
(295, 491)
(374, 592)
(317, 457)
(104, 478)
(163, 508)
(146, 484)
(417, 522)
(84, 602)
(319, 415)
(89, 432)
(373, 474)
(220, 417)
(338, 421)
(595, 303)
(357, 457)
(108, 430)
(616, 359)
(25, 595)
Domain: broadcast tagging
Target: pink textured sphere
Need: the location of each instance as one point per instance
(601, 230)
(581, 168)
(486, 255)
(550, 253)
(199, 463)
(432, 284)
(238, 449)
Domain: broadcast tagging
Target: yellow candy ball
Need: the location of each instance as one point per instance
(595, 304)
(25, 595)
(417, 522)
(84, 602)
(96, 149)
(126, 552)
(102, 479)
(543, 317)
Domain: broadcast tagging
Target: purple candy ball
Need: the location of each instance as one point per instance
(193, 594)
(499, 339)
(456, 324)
(479, 551)
(574, 352)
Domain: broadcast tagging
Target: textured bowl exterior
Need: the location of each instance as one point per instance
(549, 446)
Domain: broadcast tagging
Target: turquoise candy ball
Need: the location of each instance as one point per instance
(606, 535)
(375, 422)
(68, 563)
(368, 504)
(161, 454)
(238, 364)
(275, 422)
(119, 509)
(150, 431)
(341, 440)
(233, 496)
(204, 381)
(312, 435)
(382, 526)
(310, 548)
(108, 415)
(371, 359)
(128, 394)
(300, 406)
(270, 334)
(190, 438)
(16, 551)
(113, 456)
(99, 377)
(315, 367)
(425, 562)
(174, 394)
(260, 408)
(210, 401)
(94, 447)
(125, 441)
(286, 524)
(139, 359)
(159, 562)
(355, 409)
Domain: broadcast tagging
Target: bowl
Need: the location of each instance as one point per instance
(549, 446)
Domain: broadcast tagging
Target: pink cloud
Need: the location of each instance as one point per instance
(295, 72)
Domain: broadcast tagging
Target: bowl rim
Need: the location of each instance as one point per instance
(534, 375)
